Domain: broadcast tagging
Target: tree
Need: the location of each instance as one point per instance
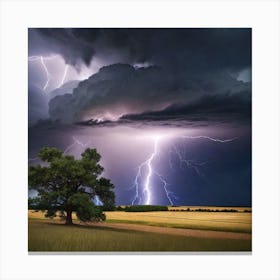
(66, 184)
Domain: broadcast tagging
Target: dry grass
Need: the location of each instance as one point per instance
(222, 221)
(235, 221)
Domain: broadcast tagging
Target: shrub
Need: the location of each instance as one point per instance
(145, 208)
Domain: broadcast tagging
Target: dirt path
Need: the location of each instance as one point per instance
(178, 231)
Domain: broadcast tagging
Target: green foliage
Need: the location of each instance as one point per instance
(107, 196)
(215, 210)
(119, 208)
(145, 208)
(68, 184)
(34, 203)
(49, 154)
(85, 209)
(204, 210)
(51, 213)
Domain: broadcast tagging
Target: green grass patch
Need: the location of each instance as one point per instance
(47, 236)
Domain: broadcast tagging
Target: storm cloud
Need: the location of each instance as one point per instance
(188, 49)
(208, 109)
(121, 89)
(142, 69)
(64, 89)
(125, 91)
(37, 104)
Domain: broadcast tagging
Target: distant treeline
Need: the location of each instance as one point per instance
(210, 210)
(147, 208)
(142, 208)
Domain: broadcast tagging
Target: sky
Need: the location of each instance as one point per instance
(169, 110)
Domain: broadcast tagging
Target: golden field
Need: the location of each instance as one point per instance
(120, 234)
(221, 221)
(232, 221)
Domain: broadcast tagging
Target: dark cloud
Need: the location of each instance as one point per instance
(120, 89)
(188, 64)
(64, 89)
(37, 104)
(192, 49)
(207, 109)
(60, 41)
(192, 83)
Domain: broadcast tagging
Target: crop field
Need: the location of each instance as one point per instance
(130, 231)
(234, 222)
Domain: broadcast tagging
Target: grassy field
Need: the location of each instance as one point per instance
(222, 221)
(234, 222)
(56, 237)
(53, 235)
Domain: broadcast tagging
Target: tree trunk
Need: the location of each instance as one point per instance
(69, 217)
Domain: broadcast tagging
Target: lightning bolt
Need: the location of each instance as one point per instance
(97, 201)
(147, 187)
(167, 192)
(68, 148)
(148, 165)
(136, 184)
(195, 165)
(210, 138)
(47, 73)
(64, 75)
(150, 170)
(76, 142)
(190, 163)
(42, 60)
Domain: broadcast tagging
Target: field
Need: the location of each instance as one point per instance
(148, 231)
(234, 222)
